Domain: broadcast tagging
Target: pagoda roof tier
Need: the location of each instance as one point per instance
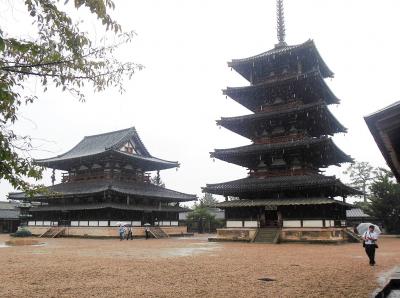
(92, 187)
(325, 122)
(322, 152)
(307, 87)
(254, 187)
(106, 147)
(276, 56)
(279, 202)
(97, 206)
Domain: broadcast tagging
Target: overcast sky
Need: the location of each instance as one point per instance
(185, 46)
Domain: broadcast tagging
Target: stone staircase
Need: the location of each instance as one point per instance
(53, 232)
(158, 233)
(267, 235)
(352, 237)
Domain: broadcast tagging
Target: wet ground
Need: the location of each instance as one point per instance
(183, 267)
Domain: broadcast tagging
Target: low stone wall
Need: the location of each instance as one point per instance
(107, 231)
(317, 235)
(313, 235)
(235, 234)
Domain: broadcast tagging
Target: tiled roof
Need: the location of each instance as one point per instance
(106, 143)
(97, 186)
(97, 206)
(281, 183)
(253, 95)
(240, 123)
(384, 126)
(236, 155)
(279, 202)
(356, 212)
(246, 63)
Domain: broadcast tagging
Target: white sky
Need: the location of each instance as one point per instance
(185, 46)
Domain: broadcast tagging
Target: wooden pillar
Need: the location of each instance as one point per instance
(280, 219)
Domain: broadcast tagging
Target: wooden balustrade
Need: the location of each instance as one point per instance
(285, 106)
(280, 139)
(279, 173)
(66, 177)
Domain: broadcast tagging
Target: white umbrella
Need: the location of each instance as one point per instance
(363, 227)
(120, 223)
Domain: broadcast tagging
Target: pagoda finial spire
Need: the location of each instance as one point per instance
(280, 24)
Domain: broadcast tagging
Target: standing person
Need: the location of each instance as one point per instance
(147, 232)
(370, 238)
(121, 231)
(129, 233)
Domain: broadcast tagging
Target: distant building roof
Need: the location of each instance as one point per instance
(356, 212)
(385, 128)
(97, 146)
(9, 211)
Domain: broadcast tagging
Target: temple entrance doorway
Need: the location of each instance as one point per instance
(271, 217)
(147, 218)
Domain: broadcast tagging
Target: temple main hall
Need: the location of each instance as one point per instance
(106, 181)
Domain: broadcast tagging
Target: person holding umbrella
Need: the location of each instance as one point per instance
(121, 231)
(370, 237)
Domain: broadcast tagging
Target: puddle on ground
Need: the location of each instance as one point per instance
(167, 252)
(11, 244)
(204, 238)
(185, 251)
(2, 245)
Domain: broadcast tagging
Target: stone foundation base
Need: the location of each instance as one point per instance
(235, 234)
(309, 235)
(315, 235)
(103, 232)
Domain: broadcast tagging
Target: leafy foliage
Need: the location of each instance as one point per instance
(385, 200)
(61, 55)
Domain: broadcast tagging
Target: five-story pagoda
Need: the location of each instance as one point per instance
(289, 129)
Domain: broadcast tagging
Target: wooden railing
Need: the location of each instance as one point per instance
(280, 139)
(66, 177)
(284, 172)
(279, 107)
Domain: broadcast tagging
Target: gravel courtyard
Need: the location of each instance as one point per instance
(184, 267)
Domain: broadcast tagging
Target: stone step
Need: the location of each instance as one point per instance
(265, 235)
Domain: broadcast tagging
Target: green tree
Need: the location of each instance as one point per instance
(201, 216)
(156, 180)
(59, 54)
(361, 174)
(208, 200)
(385, 200)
